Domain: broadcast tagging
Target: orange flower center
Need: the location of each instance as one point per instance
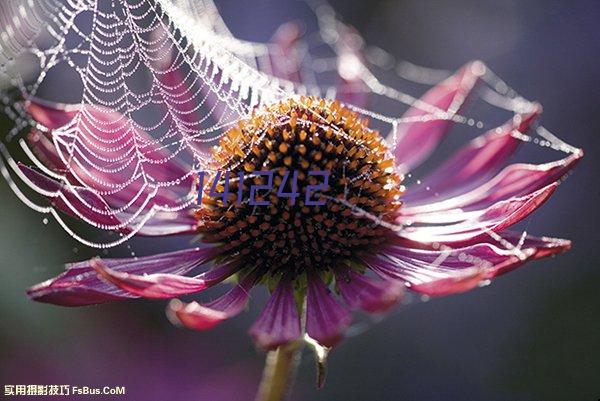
(302, 141)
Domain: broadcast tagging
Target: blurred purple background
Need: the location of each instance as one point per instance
(531, 335)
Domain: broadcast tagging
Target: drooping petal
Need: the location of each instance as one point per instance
(80, 285)
(439, 272)
(76, 201)
(516, 180)
(417, 138)
(85, 204)
(188, 91)
(106, 151)
(534, 247)
(278, 323)
(176, 85)
(198, 316)
(52, 115)
(163, 285)
(472, 165)
(480, 223)
(326, 319)
(370, 295)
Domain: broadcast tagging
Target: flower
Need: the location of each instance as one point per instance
(370, 240)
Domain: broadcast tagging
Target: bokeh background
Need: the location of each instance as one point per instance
(531, 335)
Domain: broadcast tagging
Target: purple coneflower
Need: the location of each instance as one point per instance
(372, 239)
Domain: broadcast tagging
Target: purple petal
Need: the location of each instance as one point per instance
(480, 224)
(162, 285)
(533, 247)
(190, 98)
(76, 201)
(106, 151)
(52, 115)
(278, 323)
(197, 316)
(514, 181)
(87, 205)
(326, 319)
(80, 285)
(449, 271)
(177, 88)
(417, 139)
(362, 292)
(472, 165)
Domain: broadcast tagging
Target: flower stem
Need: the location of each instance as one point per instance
(279, 373)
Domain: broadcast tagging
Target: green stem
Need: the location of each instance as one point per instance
(279, 373)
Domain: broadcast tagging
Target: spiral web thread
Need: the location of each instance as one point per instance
(118, 53)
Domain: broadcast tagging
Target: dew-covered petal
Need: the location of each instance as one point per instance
(278, 322)
(473, 164)
(416, 138)
(439, 272)
(192, 103)
(368, 294)
(326, 319)
(80, 284)
(76, 201)
(98, 153)
(163, 285)
(50, 114)
(516, 180)
(198, 316)
(534, 247)
(85, 204)
(106, 151)
(176, 86)
(479, 224)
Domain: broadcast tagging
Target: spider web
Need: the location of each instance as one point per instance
(152, 84)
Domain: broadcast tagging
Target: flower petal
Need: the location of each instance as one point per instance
(85, 204)
(278, 323)
(479, 224)
(76, 201)
(80, 285)
(418, 138)
(106, 151)
(326, 319)
(514, 181)
(162, 285)
(190, 98)
(362, 292)
(534, 247)
(448, 271)
(472, 165)
(197, 316)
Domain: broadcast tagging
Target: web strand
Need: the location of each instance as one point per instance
(158, 82)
